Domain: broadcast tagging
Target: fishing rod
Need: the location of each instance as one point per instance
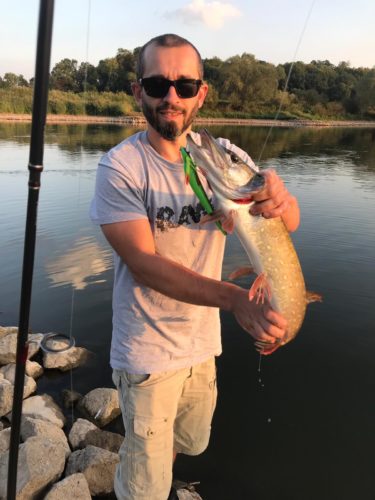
(35, 166)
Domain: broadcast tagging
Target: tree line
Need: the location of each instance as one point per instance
(240, 86)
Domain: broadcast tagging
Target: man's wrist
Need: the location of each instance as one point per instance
(232, 296)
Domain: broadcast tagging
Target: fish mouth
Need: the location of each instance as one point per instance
(227, 174)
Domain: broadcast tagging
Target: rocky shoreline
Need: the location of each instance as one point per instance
(55, 464)
(139, 121)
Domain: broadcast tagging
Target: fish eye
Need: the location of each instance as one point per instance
(234, 158)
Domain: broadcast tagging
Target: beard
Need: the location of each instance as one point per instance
(168, 130)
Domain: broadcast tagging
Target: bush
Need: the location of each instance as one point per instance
(16, 100)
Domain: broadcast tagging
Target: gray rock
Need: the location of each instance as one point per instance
(43, 408)
(33, 369)
(186, 491)
(79, 431)
(5, 330)
(9, 372)
(34, 343)
(188, 495)
(4, 440)
(32, 427)
(84, 433)
(72, 487)
(97, 465)
(110, 441)
(101, 406)
(8, 347)
(40, 463)
(6, 396)
(65, 360)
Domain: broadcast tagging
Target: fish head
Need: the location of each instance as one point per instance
(228, 175)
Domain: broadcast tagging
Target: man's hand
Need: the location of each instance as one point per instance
(260, 320)
(275, 201)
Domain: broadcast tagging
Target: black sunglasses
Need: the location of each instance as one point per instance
(158, 86)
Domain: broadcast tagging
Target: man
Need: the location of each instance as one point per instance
(168, 288)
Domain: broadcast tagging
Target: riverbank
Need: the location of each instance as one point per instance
(140, 121)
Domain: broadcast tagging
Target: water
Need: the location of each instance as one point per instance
(305, 432)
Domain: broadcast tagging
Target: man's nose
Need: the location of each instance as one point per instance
(171, 95)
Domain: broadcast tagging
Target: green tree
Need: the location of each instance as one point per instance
(212, 69)
(320, 76)
(107, 74)
(365, 93)
(64, 76)
(247, 83)
(297, 76)
(87, 77)
(126, 71)
(11, 80)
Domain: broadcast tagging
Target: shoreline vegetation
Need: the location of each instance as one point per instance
(242, 91)
(139, 120)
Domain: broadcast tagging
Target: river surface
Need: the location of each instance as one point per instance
(303, 427)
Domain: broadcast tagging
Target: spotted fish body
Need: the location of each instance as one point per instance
(271, 252)
(266, 241)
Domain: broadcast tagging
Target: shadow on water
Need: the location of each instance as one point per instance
(308, 433)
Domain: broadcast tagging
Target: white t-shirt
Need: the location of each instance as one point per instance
(152, 332)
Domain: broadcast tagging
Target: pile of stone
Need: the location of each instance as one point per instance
(52, 464)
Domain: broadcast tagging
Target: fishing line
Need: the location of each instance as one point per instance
(58, 342)
(287, 79)
(87, 47)
(72, 309)
(260, 380)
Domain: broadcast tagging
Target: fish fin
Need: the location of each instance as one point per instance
(260, 289)
(313, 297)
(226, 221)
(266, 348)
(241, 271)
(217, 215)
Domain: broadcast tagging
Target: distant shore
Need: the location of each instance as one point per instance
(140, 121)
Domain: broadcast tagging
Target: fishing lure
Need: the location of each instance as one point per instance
(192, 178)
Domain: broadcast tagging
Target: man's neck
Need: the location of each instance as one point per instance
(170, 150)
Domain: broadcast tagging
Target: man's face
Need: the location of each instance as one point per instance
(171, 115)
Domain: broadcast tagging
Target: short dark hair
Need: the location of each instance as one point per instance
(167, 40)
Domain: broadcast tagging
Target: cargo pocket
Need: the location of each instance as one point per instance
(136, 378)
(149, 428)
(154, 462)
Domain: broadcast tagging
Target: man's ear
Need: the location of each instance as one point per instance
(137, 92)
(202, 94)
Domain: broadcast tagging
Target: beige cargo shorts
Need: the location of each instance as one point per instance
(163, 413)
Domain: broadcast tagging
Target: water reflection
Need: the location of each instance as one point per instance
(283, 142)
(82, 265)
(319, 388)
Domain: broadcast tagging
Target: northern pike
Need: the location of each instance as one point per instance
(267, 243)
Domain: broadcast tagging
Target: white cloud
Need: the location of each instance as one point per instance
(80, 265)
(213, 14)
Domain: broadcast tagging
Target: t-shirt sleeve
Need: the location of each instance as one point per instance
(118, 194)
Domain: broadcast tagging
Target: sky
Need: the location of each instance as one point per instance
(272, 30)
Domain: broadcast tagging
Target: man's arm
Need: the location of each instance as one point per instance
(134, 243)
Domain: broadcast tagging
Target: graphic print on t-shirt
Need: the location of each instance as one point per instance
(167, 219)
